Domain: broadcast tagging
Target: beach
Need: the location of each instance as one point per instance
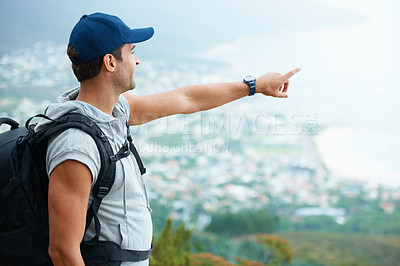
(360, 154)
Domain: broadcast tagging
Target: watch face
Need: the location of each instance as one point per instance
(249, 78)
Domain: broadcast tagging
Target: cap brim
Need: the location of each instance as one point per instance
(140, 35)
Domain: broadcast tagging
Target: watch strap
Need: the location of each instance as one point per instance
(251, 82)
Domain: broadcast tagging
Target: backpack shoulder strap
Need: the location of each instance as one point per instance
(82, 122)
(134, 150)
(106, 175)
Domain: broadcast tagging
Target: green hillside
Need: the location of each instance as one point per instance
(345, 249)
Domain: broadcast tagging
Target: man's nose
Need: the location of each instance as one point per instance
(137, 60)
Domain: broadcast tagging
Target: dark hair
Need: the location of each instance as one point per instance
(92, 68)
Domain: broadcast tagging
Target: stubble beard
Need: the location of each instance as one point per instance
(125, 83)
(131, 82)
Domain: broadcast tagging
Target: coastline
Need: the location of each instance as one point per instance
(348, 153)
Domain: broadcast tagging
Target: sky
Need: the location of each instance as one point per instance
(347, 50)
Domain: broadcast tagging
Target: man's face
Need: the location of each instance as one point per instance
(125, 72)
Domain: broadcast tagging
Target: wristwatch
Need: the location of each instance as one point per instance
(251, 82)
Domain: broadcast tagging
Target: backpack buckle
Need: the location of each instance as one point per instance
(102, 137)
(103, 191)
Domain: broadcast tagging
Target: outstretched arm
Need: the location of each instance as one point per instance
(194, 98)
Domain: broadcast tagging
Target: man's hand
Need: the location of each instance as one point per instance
(275, 84)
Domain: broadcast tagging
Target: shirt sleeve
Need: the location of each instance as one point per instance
(123, 105)
(73, 144)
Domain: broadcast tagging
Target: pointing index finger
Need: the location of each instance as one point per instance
(291, 73)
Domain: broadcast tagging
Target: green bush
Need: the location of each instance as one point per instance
(172, 248)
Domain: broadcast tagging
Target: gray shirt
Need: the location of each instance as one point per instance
(125, 213)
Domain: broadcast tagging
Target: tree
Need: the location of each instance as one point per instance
(172, 248)
(281, 252)
(208, 259)
(251, 250)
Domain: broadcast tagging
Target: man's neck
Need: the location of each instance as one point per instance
(99, 94)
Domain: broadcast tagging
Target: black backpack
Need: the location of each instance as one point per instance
(24, 228)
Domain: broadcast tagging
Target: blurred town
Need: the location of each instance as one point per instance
(230, 158)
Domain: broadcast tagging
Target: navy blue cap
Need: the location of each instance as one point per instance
(98, 34)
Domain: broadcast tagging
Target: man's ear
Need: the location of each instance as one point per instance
(109, 62)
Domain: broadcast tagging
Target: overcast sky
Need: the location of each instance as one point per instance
(347, 48)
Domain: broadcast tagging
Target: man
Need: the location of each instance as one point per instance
(101, 49)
